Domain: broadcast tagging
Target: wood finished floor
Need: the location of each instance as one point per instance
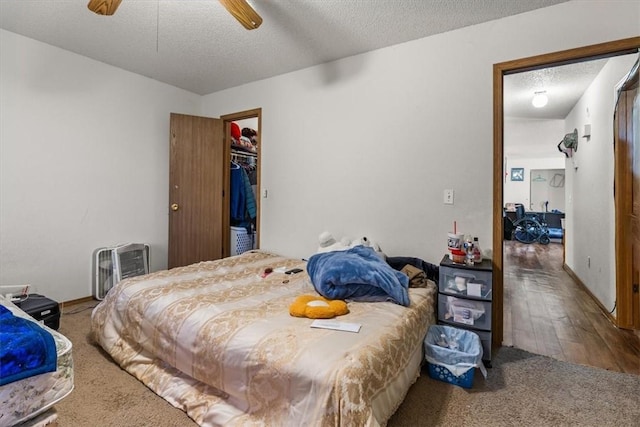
(546, 312)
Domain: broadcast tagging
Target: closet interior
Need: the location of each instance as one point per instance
(243, 185)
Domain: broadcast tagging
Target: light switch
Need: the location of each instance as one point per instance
(448, 197)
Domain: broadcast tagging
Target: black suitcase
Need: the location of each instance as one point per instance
(41, 308)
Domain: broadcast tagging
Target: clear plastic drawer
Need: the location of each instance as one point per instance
(464, 312)
(465, 282)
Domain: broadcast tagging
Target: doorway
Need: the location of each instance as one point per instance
(615, 48)
(244, 119)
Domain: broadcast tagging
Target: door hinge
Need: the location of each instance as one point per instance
(635, 288)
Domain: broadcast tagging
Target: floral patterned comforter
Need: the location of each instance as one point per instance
(216, 340)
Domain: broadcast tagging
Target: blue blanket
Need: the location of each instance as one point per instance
(26, 349)
(358, 274)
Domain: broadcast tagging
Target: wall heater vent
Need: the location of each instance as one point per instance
(116, 263)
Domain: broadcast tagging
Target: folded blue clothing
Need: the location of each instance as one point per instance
(358, 274)
(26, 348)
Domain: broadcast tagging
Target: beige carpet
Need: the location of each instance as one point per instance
(522, 390)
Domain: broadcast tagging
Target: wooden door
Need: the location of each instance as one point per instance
(633, 120)
(635, 216)
(627, 198)
(196, 189)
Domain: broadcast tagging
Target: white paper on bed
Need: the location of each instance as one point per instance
(217, 340)
(336, 325)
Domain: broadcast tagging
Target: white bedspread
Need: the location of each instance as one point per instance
(216, 340)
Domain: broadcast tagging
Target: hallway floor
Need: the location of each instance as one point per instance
(546, 312)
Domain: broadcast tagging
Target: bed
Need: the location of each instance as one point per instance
(216, 340)
(26, 399)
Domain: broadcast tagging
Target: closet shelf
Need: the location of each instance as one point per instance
(238, 149)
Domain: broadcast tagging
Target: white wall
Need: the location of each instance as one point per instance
(83, 164)
(532, 138)
(366, 145)
(529, 144)
(590, 212)
(520, 191)
(361, 146)
(547, 190)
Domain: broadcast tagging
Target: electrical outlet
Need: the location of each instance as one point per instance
(448, 197)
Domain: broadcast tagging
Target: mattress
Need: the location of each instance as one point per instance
(27, 398)
(216, 340)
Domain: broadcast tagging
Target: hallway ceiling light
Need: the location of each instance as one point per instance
(540, 99)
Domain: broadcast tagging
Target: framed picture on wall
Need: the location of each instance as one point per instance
(517, 174)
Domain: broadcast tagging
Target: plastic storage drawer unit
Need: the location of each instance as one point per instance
(465, 294)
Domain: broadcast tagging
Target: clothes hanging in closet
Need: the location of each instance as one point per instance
(242, 200)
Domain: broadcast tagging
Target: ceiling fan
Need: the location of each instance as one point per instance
(240, 9)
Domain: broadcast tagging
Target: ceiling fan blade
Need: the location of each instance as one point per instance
(243, 12)
(104, 7)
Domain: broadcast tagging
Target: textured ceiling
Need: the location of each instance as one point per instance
(198, 46)
(564, 85)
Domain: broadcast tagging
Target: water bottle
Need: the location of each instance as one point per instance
(468, 248)
(477, 254)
